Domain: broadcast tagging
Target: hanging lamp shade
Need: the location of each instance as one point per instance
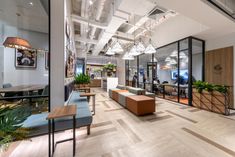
(127, 56)
(140, 47)
(117, 47)
(110, 52)
(150, 49)
(18, 43)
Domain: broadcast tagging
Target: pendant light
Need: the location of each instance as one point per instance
(168, 59)
(150, 49)
(110, 52)
(174, 54)
(16, 42)
(140, 47)
(135, 50)
(117, 48)
(127, 56)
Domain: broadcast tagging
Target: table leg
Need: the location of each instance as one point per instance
(49, 138)
(93, 107)
(53, 140)
(74, 136)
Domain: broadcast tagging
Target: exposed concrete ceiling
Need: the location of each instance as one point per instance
(104, 20)
(25, 14)
(133, 19)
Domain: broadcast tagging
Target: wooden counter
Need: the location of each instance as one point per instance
(95, 83)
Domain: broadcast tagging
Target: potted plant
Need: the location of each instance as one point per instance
(81, 80)
(11, 119)
(110, 69)
(211, 97)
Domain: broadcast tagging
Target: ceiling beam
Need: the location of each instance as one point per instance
(78, 38)
(82, 20)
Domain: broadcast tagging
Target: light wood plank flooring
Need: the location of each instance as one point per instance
(173, 131)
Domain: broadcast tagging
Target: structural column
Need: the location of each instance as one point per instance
(57, 67)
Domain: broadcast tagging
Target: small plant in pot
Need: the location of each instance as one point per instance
(110, 69)
(82, 80)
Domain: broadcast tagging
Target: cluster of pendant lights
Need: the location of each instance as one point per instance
(136, 50)
(171, 59)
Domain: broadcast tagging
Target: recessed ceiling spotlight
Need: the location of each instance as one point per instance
(90, 2)
(31, 3)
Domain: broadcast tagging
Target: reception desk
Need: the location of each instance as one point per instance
(95, 83)
(109, 83)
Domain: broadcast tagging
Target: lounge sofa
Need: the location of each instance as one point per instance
(136, 100)
(39, 124)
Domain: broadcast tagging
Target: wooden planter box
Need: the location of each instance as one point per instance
(211, 101)
(219, 103)
(196, 99)
(206, 100)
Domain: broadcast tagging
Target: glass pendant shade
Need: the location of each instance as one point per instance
(127, 56)
(168, 59)
(182, 55)
(117, 47)
(150, 49)
(140, 47)
(173, 61)
(134, 51)
(174, 54)
(110, 52)
(18, 43)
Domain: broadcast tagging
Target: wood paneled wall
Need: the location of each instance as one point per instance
(219, 68)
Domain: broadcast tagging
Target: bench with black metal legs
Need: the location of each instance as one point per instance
(61, 112)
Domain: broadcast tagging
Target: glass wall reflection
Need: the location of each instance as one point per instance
(24, 55)
(165, 85)
(133, 76)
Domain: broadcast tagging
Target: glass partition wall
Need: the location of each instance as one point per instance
(24, 55)
(171, 71)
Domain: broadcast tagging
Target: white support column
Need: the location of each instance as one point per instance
(57, 67)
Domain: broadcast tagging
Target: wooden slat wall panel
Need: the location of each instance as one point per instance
(219, 68)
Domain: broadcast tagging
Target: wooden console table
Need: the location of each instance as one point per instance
(88, 95)
(61, 112)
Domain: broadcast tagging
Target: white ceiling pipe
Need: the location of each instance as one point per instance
(100, 8)
(82, 20)
(85, 40)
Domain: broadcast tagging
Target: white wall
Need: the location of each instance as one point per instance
(174, 29)
(25, 76)
(197, 66)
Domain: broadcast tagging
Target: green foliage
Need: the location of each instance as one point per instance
(11, 119)
(109, 67)
(221, 89)
(200, 86)
(82, 79)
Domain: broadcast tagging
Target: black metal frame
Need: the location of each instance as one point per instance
(189, 49)
(51, 130)
(221, 9)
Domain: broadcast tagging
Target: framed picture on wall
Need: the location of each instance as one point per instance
(47, 59)
(26, 59)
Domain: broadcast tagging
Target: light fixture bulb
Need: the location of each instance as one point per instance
(117, 47)
(127, 56)
(140, 47)
(134, 51)
(110, 52)
(150, 49)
